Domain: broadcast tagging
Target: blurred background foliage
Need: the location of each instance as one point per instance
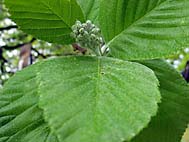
(18, 50)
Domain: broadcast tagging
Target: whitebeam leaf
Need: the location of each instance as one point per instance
(144, 29)
(90, 9)
(92, 99)
(50, 20)
(97, 99)
(172, 118)
(21, 120)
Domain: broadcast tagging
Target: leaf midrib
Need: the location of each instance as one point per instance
(137, 21)
(53, 12)
(97, 89)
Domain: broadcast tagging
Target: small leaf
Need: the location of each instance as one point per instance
(171, 121)
(50, 20)
(144, 29)
(97, 99)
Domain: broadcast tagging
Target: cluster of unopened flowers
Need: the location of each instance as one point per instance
(87, 35)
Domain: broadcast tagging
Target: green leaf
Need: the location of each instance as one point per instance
(97, 99)
(171, 121)
(21, 119)
(82, 98)
(91, 9)
(144, 29)
(50, 20)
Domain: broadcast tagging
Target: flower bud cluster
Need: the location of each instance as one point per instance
(87, 35)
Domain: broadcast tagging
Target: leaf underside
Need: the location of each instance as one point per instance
(172, 118)
(144, 29)
(80, 102)
(49, 20)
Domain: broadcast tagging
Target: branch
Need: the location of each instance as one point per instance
(38, 53)
(3, 61)
(16, 46)
(9, 27)
(50, 55)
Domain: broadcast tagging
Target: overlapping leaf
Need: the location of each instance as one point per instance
(21, 120)
(91, 99)
(50, 20)
(144, 29)
(172, 118)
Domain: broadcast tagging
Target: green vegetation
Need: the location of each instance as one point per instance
(111, 84)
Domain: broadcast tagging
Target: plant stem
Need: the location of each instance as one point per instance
(100, 51)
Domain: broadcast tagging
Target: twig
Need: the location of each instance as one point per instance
(50, 55)
(16, 46)
(3, 61)
(38, 53)
(9, 27)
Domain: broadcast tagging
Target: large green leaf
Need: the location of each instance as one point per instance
(82, 98)
(91, 9)
(173, 115)
(49, 20)
(21, 120)
(97, 99)
(144, 29)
